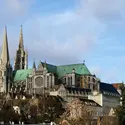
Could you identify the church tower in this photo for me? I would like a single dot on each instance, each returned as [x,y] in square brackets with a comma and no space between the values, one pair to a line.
[21,60]
[5,67]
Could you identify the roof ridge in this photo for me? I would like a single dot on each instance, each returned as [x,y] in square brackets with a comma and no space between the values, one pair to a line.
[106,83]
[71,64]
[49,64]
[23,69]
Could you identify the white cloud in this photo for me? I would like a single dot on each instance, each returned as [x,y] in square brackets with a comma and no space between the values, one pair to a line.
[105,9]
[14,10]
[64,37]
[67,36]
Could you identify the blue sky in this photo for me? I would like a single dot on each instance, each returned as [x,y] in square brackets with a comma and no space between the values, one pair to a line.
[69,31]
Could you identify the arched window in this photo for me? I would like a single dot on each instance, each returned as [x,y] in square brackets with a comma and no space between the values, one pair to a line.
[65,80]
[0,73]
[68,80]
[93,79]
[47,81]
[88,79]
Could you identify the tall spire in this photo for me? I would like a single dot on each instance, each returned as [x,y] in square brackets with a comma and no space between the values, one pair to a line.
[21,61]
[5,50]
[21,46]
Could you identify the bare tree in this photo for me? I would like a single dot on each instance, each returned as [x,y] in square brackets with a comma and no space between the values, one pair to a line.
[78,113]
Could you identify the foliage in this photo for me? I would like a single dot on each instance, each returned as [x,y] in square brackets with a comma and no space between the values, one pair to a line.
[109,120]
[7,114]
[32,111]
[50,108]
[120,112]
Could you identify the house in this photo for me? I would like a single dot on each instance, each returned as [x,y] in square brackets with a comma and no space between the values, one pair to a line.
[107,96]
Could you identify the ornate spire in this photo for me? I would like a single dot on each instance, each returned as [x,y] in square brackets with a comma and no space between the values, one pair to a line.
[5,50]
[21,46]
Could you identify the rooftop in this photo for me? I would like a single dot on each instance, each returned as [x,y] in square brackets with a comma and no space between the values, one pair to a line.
[60,71]
[106,87]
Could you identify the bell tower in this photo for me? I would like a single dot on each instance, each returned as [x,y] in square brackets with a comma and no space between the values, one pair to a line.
[21,60]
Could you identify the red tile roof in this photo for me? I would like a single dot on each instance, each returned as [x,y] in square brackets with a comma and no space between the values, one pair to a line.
[117,85]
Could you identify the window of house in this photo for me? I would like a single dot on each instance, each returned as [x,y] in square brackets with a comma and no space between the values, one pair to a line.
[89,79]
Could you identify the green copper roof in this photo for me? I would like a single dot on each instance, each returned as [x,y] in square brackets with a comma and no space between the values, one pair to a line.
[50,68]
[21,74]
[60,71]
[80,69]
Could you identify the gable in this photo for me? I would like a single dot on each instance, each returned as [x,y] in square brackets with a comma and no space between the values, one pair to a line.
[40,67]
[61,88]
[21,74]
[50,68]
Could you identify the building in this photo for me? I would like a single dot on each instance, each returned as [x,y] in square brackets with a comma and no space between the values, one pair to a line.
[118,86]
[107,96]
[68,81]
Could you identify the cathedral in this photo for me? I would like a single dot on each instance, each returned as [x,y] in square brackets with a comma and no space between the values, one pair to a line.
[67,81]
[42,78]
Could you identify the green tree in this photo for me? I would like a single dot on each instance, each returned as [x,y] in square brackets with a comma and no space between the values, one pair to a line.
[50,108]
[120,112]
[7,114]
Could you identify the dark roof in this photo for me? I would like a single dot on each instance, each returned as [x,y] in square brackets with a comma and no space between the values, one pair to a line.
[108,88]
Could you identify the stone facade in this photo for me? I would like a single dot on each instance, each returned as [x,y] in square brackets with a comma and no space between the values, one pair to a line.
[40,80]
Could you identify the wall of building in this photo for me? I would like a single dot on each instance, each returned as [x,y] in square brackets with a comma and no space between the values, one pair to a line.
[110,102]
[54,93]
[97,98]
[106,101]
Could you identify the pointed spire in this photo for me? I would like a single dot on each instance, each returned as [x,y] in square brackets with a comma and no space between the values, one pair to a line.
[45,64]
[5,50]
[21,46]
[34,65]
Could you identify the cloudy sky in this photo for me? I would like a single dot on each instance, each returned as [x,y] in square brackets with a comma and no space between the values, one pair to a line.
[69,31]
